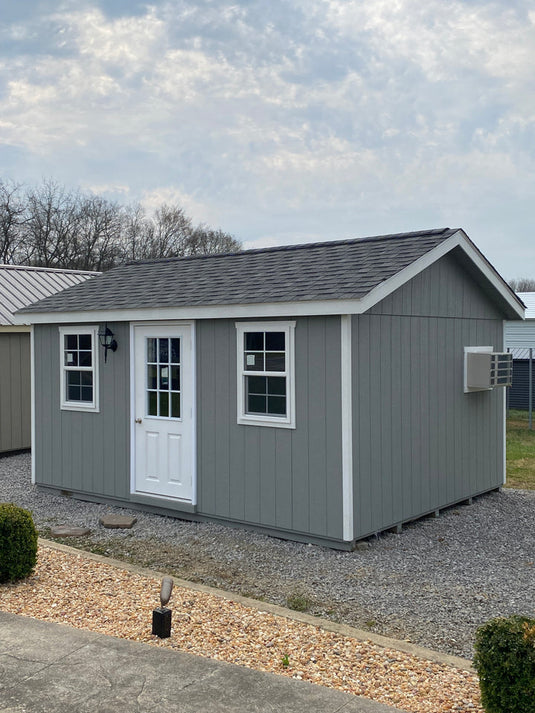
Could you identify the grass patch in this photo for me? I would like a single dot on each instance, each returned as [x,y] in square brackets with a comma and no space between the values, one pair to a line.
[298,601]
[520,451]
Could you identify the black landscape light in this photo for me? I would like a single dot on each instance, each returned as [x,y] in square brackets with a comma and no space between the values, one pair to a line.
[161,616]
[107,341]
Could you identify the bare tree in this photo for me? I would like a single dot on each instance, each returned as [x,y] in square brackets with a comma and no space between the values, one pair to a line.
[522,284]
[97,243]
[51,226]
[12,215]
[204,241]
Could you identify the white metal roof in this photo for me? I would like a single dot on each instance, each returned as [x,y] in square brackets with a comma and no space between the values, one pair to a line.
[21,285]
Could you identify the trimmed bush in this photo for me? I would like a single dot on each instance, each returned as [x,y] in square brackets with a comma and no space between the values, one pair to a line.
[505,663]
[18,543]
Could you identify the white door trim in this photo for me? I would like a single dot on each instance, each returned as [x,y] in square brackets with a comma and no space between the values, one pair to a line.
[163,323]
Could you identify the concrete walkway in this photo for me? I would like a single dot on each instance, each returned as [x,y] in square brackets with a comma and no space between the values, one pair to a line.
[51,668]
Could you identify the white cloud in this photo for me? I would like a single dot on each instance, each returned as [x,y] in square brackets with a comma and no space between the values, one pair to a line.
[255,116]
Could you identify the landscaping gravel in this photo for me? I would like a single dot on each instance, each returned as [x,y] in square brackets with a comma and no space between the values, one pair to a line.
[433,584]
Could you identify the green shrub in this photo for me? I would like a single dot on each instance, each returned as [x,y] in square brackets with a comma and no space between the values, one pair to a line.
[18,543]
[505,663]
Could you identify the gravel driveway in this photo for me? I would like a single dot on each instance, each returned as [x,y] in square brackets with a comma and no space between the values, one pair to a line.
[433,584]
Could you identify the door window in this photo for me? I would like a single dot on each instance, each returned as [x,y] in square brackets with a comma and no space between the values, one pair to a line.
[163,385]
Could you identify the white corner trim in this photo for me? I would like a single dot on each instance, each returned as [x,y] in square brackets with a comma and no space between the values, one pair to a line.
[504,478]
[32,398]
[347,429]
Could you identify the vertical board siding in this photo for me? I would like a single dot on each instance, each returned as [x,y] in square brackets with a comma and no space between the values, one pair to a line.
[15,391]
[421,443]
[285,479]
[86,452]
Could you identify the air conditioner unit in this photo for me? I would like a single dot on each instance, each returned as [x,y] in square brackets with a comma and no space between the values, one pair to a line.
[485,369]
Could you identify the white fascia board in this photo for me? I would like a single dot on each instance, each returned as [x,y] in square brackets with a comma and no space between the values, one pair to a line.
[458,239]
[490,273]
[256,310]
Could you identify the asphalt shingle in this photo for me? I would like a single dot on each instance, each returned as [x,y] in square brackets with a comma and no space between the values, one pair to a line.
[344,269]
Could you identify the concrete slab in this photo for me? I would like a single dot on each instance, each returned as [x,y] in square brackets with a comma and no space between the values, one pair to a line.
[69,531]
[52,668]
[118,522]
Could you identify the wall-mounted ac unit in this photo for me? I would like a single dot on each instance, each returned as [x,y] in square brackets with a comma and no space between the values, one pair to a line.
[485,369]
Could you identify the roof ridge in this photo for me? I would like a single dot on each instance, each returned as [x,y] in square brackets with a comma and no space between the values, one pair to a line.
[40,268]
[298,246]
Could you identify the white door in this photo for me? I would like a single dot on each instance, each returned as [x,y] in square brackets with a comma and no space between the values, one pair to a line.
[163,411]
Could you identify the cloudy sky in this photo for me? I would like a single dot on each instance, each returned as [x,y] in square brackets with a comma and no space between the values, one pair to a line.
[283,121]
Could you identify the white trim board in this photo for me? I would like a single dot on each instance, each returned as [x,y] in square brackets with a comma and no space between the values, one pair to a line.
[347,428]
[289,309]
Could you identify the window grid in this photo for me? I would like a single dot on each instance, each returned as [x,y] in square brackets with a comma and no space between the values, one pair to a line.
[163,385]
[78,368]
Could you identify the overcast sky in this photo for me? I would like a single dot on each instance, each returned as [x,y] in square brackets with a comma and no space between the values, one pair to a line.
[283,121]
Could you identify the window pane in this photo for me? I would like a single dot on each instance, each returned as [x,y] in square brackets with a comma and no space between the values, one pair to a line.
[277,405]
[256,384]
[86,378]
[84,341]
[84,358]
[71,358]
[254,362]
[164,403]
[151,350]
[275,341]
[152,407]
[276,385]
[71,341]
[175,378]
[164,377]
[87,393]
[74,378]
[256,404]
[274,361]
[175,351]
[254,341]
[175,405]
[73,393]
[164,350]
[151,376]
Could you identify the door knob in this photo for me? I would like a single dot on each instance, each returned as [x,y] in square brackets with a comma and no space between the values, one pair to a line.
[138,420]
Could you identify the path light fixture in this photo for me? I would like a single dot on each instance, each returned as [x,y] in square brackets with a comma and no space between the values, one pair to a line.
[161,616]
[107,341]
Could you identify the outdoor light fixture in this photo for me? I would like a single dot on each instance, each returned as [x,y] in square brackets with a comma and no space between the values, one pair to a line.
[161,616]
[105,336]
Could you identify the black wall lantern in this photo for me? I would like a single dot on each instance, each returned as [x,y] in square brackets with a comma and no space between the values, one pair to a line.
[105,336]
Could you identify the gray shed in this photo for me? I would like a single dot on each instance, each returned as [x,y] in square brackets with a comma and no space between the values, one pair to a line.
[20,286]
[319,392]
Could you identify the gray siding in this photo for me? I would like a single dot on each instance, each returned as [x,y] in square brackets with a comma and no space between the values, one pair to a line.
[15,391]
[86,452]
[420,442]
[287,479]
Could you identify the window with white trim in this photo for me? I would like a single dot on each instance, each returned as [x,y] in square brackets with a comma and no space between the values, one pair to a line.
[266,388]
[79,368]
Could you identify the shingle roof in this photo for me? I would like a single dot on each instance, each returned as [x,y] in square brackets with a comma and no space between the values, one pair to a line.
[344,269]
[22,285]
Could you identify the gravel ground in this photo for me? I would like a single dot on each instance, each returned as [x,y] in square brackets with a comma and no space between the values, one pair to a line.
[71,589]
[433,584]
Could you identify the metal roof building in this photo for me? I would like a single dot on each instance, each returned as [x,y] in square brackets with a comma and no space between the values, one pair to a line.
[19,287]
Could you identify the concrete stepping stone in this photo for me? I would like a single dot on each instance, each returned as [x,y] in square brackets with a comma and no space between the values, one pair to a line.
[69,531]
[118,522]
